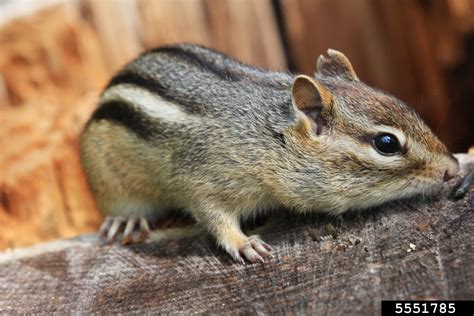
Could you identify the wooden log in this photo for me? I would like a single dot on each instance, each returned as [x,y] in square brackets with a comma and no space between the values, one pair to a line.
[325,266]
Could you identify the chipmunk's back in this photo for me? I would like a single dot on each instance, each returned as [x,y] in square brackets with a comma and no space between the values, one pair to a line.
[207,83]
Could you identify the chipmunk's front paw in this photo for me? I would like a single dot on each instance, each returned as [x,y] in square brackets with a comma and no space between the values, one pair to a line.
[131,229]
[254,249]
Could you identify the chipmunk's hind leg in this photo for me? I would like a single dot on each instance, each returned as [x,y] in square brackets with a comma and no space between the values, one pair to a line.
[131,229]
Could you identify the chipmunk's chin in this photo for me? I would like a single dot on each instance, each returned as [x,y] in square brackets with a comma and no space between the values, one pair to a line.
[415,190]
[342,204]
[427,188]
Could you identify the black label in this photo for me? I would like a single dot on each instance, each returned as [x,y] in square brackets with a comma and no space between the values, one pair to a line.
[428,308]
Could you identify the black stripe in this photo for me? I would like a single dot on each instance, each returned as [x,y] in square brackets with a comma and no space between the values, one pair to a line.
[229,73]
[199,61]
[126,115]
[231,69]
[152,85]
[155,87]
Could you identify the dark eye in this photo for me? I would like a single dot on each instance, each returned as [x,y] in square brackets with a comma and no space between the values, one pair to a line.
[387,144]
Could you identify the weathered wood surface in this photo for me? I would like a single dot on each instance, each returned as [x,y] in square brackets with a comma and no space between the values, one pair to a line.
[323,266]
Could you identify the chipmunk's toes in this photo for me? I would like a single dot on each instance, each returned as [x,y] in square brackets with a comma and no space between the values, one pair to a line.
[134,229]
[260,246]
[237,257]
[105,227]
[115,228]
[255,249]
[129,230]
[250,254]
[144,228]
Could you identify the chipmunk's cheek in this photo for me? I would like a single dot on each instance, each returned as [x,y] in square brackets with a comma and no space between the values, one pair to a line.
[430,173]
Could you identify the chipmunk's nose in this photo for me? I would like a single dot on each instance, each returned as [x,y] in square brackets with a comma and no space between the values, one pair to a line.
[452,170]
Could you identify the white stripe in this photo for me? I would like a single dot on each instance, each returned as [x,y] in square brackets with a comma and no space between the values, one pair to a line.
[151,103]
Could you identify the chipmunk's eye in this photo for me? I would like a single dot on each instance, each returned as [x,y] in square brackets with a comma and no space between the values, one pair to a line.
[387,144]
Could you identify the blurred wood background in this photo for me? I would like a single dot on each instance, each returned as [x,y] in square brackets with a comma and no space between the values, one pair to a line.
[55,60]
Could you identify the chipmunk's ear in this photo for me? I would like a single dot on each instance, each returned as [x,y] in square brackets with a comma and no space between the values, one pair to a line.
[335,65]
[307,93]
[312,98]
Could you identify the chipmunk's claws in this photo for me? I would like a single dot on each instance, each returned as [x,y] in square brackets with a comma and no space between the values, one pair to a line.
[105,227]
[144,228]
[237,257]
[128,232]
[117,225]
[113,227]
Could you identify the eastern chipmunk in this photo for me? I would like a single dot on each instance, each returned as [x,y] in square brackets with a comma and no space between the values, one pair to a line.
[185,127]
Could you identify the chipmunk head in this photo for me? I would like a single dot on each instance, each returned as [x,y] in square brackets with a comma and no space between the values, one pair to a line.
[369,146]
